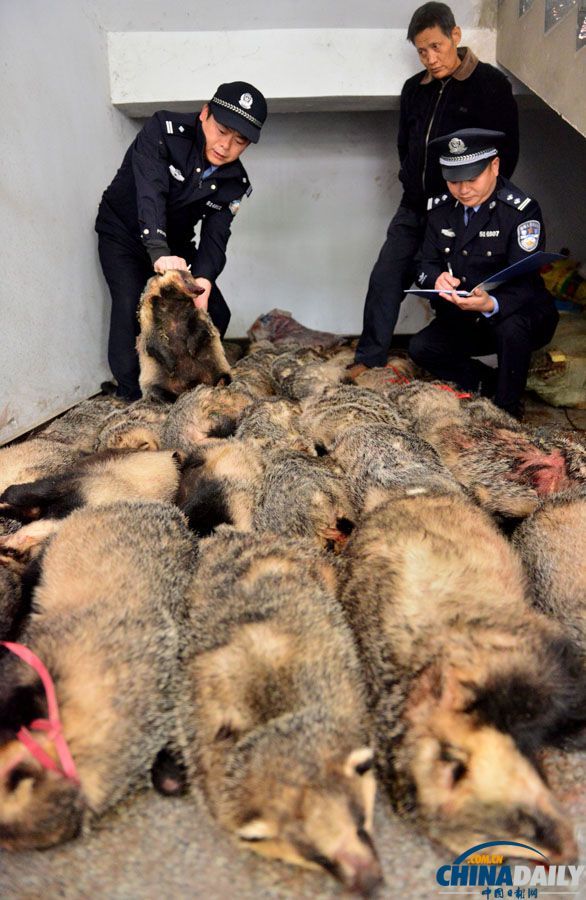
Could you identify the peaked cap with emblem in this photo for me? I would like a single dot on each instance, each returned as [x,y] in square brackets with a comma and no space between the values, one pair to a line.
[241,106]
[464,154]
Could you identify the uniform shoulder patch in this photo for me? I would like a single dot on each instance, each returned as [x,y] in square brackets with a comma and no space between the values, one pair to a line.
[512,196]
[528,235]
[435,202]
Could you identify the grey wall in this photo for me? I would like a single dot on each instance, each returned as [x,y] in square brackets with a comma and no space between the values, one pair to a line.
[550,63]
[60,142]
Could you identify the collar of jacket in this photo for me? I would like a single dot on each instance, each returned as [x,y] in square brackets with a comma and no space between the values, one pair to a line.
[468,62]
[500,182]
[231,170]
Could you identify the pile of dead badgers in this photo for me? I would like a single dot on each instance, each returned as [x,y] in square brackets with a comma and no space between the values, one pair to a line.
[348,581]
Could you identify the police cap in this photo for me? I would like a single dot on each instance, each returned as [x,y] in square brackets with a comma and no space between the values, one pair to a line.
[464,154]
[241,106]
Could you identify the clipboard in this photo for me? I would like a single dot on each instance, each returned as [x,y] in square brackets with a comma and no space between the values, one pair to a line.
[521,267]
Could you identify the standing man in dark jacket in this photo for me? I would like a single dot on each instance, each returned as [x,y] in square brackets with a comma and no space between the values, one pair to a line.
[484,225]
[182,169]
[456,91]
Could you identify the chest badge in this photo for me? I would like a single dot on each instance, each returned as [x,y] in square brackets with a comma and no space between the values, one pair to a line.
[448,232]
[528,235]
[176,173]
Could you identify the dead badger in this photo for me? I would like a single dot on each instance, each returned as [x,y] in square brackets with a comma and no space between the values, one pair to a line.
[281,747]
[220,483]
[304,496]
[105,627]
[551,544]
[137,426]
[466,682]
[502,465]
[205,412]
[33,459]
[178,346]
[327,415]
[91,481]
[377,458]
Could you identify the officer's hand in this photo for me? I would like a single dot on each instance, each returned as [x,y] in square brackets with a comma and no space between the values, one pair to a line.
[478,301]
[164,263]
[446,282]
[201,301]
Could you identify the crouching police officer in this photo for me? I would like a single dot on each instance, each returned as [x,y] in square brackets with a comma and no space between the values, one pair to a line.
[181,169]
[491,225]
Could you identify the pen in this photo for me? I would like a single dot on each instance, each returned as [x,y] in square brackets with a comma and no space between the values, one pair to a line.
[450,270]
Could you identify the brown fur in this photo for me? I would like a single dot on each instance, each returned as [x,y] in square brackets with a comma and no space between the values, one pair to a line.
[274,423]
[304,496]
[466,682]
[108,610]
[205,412]
[32,459]
[92,481]
[329,414]
[278,708]
[79,426]
[551,544]
[178,346]
[220,483]
[136,427]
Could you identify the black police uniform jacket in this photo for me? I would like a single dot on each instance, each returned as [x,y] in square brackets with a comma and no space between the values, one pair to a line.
[158,195]
[476,96]
[508,227]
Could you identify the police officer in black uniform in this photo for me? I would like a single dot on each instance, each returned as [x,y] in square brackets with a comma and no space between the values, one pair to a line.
[480,225]
[181,169]
[455,91]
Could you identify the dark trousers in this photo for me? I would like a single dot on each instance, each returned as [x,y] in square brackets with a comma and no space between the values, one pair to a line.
[393,273]
[445,348]
[127,268]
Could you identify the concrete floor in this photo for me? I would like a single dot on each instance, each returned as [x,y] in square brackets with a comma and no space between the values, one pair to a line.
[158,848]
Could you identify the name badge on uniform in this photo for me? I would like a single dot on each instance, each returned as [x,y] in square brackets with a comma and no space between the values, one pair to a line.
[213,205]
[528,235]
[448,232]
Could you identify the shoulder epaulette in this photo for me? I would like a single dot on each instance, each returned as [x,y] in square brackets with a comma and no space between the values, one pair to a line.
[512,196]
[434,202]
[177,127]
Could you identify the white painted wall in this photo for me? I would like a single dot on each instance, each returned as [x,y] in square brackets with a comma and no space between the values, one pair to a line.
[60,142]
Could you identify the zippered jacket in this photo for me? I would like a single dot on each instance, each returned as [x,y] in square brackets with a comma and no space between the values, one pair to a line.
[158,195]
[476,96]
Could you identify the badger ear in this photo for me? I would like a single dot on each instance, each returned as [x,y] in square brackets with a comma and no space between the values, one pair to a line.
[257,830]
[358,762]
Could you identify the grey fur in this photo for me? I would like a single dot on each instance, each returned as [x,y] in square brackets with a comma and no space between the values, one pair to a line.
[79,426]
[277,700]
[304,496]
[464,678]
[109,613]
[274,423]
[138,426]
[199,412]
[551,544]
[329,414]
[381,461]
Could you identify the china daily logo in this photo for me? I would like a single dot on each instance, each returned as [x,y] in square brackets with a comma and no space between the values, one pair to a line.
[485,872]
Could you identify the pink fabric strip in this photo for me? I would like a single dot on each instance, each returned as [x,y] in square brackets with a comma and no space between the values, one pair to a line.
[52,725]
